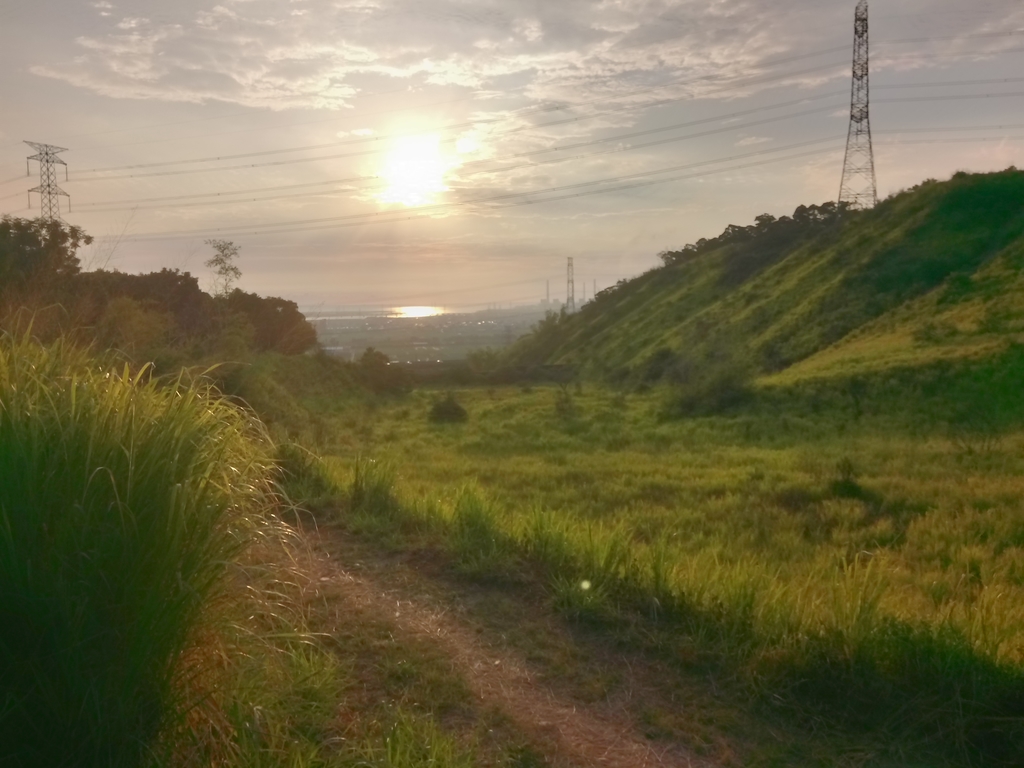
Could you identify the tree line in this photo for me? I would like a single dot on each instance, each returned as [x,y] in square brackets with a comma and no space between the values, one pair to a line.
[162,317]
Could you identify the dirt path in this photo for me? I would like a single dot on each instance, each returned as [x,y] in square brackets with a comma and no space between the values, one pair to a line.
[570,734]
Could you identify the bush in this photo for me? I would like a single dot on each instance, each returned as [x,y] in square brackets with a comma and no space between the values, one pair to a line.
[712,389]
[381,376]
[121,504]
[448,411]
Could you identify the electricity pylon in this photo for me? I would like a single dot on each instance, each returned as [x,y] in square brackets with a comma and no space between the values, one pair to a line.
[858,187]
[49,192]
[570,289]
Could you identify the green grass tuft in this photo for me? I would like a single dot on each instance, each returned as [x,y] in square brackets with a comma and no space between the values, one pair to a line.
[122,502]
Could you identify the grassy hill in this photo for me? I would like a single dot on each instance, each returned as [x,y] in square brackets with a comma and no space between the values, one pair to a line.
[931,273]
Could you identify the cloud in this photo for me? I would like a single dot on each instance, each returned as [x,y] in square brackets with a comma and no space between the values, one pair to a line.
[319,53]
[309,57]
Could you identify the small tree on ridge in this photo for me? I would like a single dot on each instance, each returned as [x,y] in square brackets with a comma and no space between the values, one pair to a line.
[223,265]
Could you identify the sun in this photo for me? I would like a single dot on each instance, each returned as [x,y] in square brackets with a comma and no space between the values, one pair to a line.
[414,171]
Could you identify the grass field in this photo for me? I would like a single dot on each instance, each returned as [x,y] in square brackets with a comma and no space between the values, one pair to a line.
[826,573]
[856,568]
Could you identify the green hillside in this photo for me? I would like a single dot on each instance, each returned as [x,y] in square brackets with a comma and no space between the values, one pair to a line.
[931,273]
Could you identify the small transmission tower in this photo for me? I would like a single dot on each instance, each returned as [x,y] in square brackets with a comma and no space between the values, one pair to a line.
[858,187]
[570,289]
[49,192]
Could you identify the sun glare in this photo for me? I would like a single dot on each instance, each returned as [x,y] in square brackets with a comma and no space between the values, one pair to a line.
[419,311]
[414,171]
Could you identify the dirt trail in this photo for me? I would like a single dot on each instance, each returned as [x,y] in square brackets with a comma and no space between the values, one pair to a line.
[569,733]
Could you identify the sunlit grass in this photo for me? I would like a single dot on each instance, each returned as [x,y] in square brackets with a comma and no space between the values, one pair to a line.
[122,503]
[815,553]
[155,612]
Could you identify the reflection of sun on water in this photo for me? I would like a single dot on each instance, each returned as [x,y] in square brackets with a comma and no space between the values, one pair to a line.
[419,311]
[414,171]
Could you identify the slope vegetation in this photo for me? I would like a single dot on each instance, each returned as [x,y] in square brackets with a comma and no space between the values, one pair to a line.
[931,273]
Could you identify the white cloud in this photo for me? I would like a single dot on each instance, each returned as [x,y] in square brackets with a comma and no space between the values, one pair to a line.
[265,54]
[132,23]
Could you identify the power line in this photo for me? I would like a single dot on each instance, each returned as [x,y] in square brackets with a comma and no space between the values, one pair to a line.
[439,207]
[395,217]
[293,161]
[1008,127]
[380,138]
[949,83]
[197,195]
[972,36]
[603,140]
[306,148]
[386,214]
[952,97]
[953,140]
[98,206]
[375,94]
[528,110]
[565,121]
[506,168]
[607,139]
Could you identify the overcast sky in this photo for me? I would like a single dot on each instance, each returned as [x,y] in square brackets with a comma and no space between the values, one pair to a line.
[455,152]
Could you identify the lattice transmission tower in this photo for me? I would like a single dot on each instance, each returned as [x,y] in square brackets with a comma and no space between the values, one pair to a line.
[570,288]
[858,187]
[49,192]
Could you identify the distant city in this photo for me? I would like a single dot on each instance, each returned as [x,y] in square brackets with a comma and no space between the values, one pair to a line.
[423,334]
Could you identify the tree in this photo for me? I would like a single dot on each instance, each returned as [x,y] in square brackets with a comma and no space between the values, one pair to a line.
[277,323]
[223,265]
[34,250]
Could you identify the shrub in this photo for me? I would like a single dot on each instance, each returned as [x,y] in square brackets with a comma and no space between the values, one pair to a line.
[121,504]
[448,410]
[711,388]
[381,376]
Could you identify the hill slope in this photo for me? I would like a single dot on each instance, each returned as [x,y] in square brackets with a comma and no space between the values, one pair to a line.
[929,273]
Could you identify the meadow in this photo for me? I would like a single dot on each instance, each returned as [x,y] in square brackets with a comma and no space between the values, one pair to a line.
[861,566]
[844,564]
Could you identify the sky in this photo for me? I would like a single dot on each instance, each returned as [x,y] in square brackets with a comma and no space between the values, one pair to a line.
[455,153]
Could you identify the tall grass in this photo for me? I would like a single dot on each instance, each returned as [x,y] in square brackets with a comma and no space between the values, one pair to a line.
[821,647]
[122,503]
